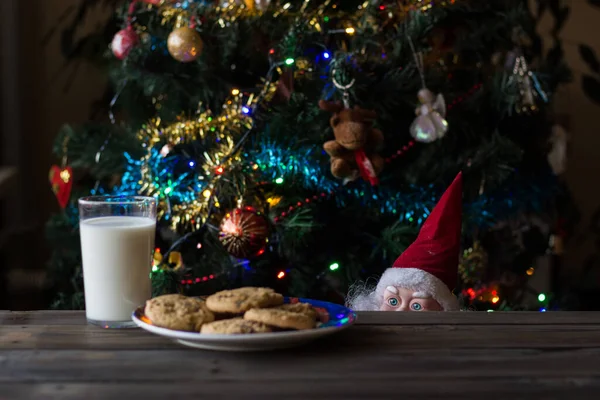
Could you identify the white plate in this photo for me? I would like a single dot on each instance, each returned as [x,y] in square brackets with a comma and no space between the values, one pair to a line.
[333,318]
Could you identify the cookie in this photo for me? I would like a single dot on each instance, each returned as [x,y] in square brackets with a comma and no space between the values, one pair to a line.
[243,299]
[235,326]
[300,308]
[280,318]
[174,311]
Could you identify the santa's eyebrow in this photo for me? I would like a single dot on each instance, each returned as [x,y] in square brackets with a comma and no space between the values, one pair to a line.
[421,295]
[392,289]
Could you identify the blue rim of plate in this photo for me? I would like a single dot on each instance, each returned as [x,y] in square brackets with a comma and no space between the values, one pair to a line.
[331,317]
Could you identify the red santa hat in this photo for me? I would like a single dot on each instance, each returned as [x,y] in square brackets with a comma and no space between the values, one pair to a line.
[430,264]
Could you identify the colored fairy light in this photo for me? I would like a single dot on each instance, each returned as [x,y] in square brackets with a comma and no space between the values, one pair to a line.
[334,266]
[495,299]
[206,193]
[350,31]
[542,310]
[245,110]
[219,170]
[281,275]
[199,246]
[154,268]
[235,92]
[530,271]
[274,200]
[168,190]
[279,180]
[289,61]
[191,163]
[541,297]
[326,55]
[272,51]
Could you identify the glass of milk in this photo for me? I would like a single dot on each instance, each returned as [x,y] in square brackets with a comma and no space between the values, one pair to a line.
[117,241]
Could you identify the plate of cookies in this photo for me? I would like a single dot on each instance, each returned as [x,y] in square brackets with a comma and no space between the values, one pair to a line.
[244,319]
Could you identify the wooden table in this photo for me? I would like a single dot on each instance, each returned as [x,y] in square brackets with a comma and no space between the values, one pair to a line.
[45,355]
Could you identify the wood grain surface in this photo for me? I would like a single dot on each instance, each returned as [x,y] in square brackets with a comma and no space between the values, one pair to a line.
[56,355]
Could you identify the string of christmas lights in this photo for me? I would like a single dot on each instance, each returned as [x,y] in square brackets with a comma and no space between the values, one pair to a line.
[184,198]
[190,209]
[323,195]
[268,162]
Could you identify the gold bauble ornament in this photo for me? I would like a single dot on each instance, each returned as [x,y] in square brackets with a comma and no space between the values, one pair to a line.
[473,264]
[185,44]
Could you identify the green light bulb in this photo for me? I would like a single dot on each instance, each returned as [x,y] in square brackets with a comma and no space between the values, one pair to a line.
[541,297]
[289,61]
[279,181]
[334,266]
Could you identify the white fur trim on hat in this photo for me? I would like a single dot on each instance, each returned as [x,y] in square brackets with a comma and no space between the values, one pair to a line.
[418,280]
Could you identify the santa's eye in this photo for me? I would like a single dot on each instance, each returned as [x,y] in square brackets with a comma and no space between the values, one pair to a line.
[392,301]
[416,307]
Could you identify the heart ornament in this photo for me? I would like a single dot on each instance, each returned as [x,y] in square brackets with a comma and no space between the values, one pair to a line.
[61,180]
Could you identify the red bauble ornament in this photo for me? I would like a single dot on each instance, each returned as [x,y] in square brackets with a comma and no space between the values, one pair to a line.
[61,180]
[123,42]
[244,232]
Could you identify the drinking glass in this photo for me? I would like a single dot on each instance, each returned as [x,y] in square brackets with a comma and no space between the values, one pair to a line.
[117,241]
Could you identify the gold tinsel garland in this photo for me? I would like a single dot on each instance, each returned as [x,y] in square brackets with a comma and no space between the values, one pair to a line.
[227,127]
[224,129]
[231,11]
[311,11]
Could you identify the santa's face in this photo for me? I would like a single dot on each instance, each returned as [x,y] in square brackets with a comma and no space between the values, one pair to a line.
[400,299]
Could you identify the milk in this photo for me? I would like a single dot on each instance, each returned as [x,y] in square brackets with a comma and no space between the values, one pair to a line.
[117,260]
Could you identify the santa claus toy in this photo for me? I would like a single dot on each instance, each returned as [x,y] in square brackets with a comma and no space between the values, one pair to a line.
[423,277]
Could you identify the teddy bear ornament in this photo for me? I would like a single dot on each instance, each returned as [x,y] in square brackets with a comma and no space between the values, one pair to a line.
[354,152]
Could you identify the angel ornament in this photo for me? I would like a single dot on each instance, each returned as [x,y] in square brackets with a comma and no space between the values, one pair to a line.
[430,124]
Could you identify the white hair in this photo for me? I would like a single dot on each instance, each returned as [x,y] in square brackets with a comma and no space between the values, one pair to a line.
[363,297]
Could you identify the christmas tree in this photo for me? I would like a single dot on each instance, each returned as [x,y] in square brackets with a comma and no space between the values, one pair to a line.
[300,144]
